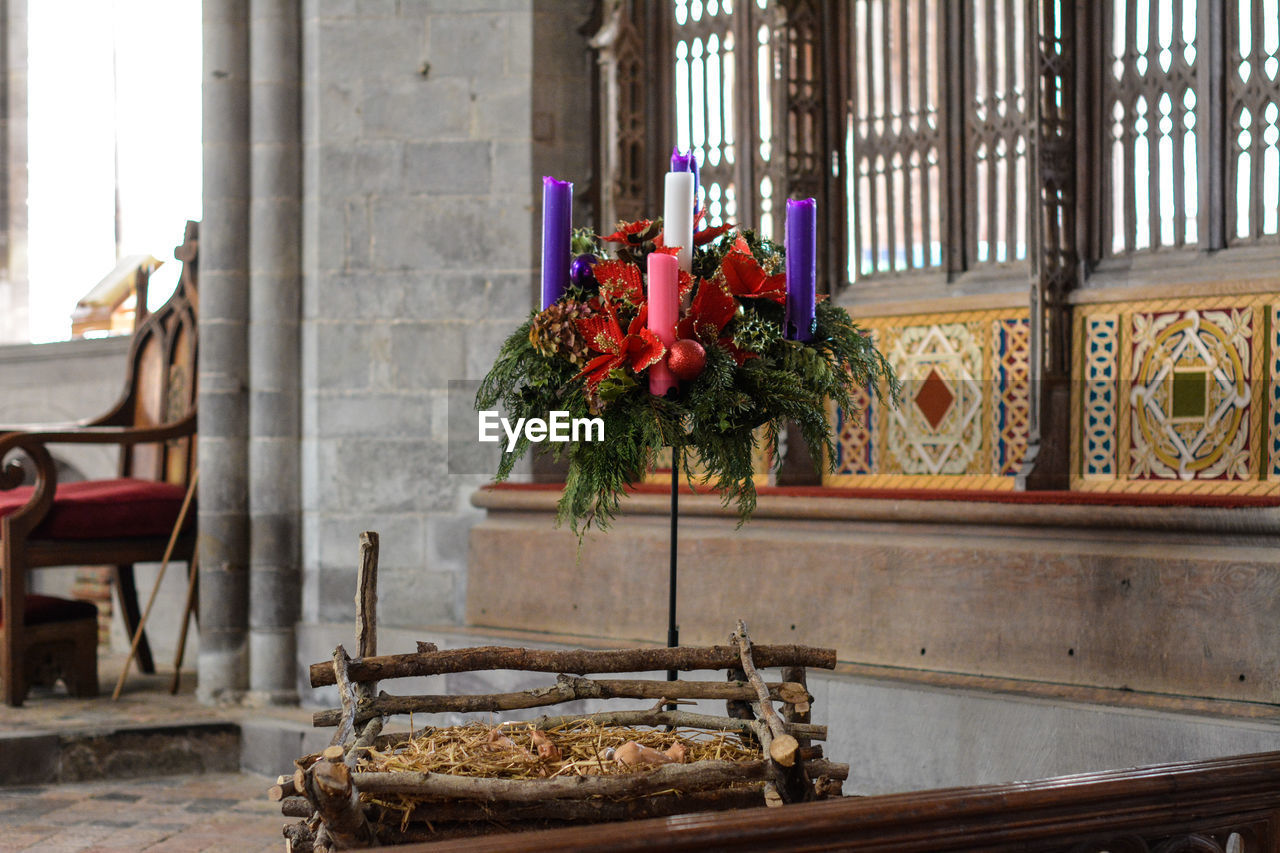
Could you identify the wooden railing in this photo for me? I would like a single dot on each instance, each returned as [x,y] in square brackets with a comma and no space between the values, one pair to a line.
[1229,805]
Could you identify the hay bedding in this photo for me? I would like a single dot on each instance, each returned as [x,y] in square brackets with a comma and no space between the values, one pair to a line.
[511,751]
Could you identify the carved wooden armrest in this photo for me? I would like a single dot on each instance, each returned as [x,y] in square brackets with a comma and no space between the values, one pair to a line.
[100,435]
[35,445]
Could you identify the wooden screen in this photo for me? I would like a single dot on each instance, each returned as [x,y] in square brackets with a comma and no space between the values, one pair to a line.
[1152,126]
[707,100]
[752,82]
[897,137]
[997,132]
[1253,121]
[939,135]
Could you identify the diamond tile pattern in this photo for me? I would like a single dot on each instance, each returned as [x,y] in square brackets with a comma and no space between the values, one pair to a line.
[934,399]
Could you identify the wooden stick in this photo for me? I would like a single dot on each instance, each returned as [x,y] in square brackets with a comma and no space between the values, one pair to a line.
[798,708]
[361,692]
[338,803]
[679,719]
[296,807]
[368,736]
[282,789]
[367,599]
[164,564]
[575,661]
[193,571]
[346,717]
[682,777]
[567,688]
[586,810]
[783,746]
[299,838]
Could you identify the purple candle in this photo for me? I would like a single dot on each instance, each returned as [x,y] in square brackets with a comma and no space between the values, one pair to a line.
[693,167]
[802,267]
[557,222]
[680,160]
[687,163]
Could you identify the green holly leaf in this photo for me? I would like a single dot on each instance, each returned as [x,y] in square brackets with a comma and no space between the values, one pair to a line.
[617,384]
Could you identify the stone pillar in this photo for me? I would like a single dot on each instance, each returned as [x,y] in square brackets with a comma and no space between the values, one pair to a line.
[224,361]
[274,354]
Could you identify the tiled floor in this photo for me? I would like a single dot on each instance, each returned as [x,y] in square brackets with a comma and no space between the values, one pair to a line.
[176,814]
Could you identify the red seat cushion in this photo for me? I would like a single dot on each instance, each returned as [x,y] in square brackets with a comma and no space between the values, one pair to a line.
[44,609]
[123,508]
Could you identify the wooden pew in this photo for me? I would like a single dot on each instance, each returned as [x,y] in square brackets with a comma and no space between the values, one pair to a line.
[1228,805]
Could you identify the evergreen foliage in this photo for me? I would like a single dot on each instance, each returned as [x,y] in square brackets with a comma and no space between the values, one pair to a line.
[713,418]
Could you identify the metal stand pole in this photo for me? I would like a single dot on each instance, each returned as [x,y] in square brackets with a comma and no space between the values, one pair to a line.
[673,630]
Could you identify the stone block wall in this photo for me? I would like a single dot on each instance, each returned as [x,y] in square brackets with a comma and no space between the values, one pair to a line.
[427,126]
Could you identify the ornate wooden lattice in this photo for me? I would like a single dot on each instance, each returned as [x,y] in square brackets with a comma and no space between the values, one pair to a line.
[754,83]
[706,46]
[1152,127]
[813,123]
[1253,121]
[623,159]
[939,135]
[997,133]
[897,137]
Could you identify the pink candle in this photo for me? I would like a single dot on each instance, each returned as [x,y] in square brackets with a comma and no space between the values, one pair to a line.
[664,311]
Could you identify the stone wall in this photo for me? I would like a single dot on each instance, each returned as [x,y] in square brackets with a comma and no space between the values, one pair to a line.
[1095,597]
[427,126]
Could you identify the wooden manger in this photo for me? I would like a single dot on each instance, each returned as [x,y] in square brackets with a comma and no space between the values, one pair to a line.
[373,789]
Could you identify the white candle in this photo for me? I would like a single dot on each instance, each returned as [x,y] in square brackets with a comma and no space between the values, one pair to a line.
[677,216]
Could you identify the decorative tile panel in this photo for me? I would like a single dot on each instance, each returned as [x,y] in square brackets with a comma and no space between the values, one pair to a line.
[964,415]
[853,430]
[1012,410]
[938,427]
[1100,357]
[1273,394]
[1178,395]
[1189,395]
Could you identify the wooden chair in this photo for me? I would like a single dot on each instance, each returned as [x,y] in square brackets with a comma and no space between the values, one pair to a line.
[116,522]
[62,643]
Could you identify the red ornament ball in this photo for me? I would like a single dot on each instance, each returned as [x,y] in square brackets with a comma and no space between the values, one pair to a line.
[687,359]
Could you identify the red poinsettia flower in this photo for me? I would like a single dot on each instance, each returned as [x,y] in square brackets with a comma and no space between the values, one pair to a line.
[620,281]
[747,279]
[638,349]
[706,235]
[700,238]
[712,309]
[629,232]
[684,285]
